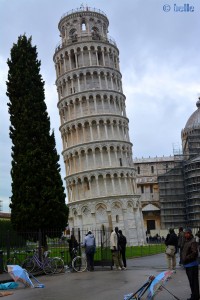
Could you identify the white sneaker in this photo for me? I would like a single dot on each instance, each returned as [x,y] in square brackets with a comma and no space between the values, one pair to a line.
[123,268]
[119,268]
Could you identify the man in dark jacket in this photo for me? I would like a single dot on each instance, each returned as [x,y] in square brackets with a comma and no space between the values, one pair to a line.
[181,240]
[172,243]
[190,262]
[122,247]
[73,246]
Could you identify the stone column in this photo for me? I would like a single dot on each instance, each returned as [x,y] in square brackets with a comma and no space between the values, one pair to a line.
[109,158]
[103,58]
[101,157]
[76,60]
[94,159]
[81,107]
[100,85]
[106,131]
[98,131]
[96,57]
[79,88]
[91,133]
[87,164]
[90,58]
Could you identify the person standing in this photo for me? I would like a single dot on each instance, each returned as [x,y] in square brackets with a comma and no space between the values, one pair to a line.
[122,247]
[73,245]
[181,239]
[172,243]
[90,248]
[114,246]
[190,263]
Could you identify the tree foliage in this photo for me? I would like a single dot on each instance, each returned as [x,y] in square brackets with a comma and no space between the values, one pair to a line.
[38,198]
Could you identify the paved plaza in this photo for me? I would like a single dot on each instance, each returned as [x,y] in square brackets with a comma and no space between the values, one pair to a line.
[104,284]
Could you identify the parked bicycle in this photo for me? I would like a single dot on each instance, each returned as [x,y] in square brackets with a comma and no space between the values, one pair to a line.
[33,264]
[79,263]
[59,263]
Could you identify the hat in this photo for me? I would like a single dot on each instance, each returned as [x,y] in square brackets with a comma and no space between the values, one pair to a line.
[188,230]
[89,232]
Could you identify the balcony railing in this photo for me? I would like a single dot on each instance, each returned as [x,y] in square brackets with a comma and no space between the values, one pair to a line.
[82,9]
[62,44]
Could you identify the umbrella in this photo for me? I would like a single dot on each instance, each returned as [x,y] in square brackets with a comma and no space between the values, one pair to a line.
[158,284]
[20,275]
[141,291]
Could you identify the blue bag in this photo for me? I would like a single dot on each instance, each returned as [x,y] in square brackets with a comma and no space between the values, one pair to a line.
[8,285]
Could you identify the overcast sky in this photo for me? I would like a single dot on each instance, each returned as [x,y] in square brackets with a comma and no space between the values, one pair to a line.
[159,61]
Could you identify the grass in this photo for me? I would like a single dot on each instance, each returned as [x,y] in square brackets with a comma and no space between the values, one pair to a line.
[150,249]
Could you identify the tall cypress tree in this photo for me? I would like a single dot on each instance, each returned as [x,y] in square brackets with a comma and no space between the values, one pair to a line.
[38,198]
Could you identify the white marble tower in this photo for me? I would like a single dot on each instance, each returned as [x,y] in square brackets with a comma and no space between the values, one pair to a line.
[97,151]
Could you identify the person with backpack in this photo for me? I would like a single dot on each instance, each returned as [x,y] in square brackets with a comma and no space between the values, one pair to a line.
[172,246]
[122,247]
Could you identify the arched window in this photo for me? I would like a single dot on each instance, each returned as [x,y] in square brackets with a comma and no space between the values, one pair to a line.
[83,26]
[117,218]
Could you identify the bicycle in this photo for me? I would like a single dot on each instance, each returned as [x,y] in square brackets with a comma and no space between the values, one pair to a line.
[79,263]
[59,263]
[47,264]
[13,260]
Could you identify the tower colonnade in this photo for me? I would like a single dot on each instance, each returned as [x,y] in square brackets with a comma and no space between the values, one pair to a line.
[97,155]
[94,127]
[88,54]
[90,184]
[78,106]
[88,80]
[100,129]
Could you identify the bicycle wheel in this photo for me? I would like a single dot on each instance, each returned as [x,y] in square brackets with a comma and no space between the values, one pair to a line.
[59,264]
[49,266]
[79,264]
[11,261]
[28,264]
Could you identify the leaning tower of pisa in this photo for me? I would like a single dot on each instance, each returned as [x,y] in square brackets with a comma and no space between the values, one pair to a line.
[97,152]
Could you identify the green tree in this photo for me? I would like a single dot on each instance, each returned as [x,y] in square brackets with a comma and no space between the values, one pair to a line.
[38,198]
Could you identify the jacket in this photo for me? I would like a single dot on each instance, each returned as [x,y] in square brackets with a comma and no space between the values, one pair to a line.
[171,240]
[190,251]
[122,241]
[89,240]
[114,241]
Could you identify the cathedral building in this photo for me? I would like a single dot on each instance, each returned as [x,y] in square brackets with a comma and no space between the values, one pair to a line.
[170,186]
[97,151]
[180,187]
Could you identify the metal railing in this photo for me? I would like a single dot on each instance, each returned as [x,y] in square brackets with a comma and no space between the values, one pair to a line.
[82,9]
[23,243]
